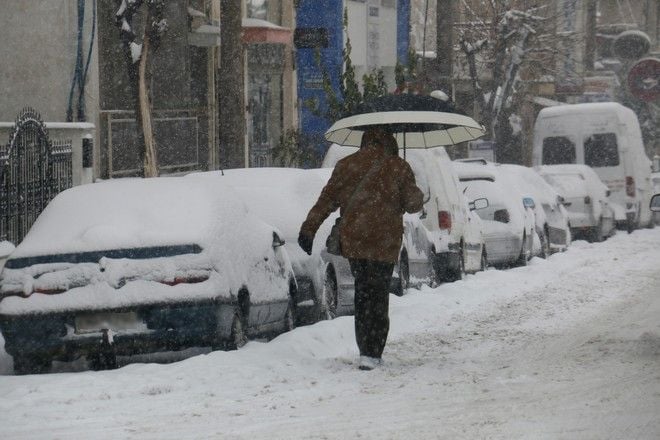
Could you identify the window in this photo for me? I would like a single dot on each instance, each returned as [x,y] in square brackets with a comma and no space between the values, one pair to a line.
[558,150]
[600,150]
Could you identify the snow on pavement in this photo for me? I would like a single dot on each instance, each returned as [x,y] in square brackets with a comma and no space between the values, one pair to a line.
[567,347]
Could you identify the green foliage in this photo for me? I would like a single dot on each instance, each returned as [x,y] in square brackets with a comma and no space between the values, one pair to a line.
[349,96]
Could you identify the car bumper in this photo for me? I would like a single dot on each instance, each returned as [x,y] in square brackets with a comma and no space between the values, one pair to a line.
[169,327]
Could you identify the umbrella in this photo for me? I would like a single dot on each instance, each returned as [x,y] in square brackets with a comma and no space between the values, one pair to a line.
[416,121]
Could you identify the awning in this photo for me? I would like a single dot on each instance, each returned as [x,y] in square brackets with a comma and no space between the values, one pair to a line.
[262,31]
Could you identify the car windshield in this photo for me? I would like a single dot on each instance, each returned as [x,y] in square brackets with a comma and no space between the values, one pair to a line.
[558,150]
[601,150]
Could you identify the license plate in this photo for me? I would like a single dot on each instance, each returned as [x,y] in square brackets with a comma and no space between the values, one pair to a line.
[96,322]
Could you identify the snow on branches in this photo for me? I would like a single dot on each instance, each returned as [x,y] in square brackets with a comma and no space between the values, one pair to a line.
[124,19]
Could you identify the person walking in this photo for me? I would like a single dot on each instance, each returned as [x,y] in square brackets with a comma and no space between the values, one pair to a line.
[373,188]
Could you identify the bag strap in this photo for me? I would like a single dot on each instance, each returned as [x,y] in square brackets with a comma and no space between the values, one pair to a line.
[357,189]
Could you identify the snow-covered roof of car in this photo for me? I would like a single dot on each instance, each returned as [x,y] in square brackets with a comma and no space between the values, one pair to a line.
[132,213]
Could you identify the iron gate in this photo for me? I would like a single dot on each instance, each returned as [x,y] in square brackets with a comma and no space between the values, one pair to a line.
[32,172]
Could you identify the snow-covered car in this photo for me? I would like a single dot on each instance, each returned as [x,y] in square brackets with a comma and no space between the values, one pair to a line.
[552,220]
[282,197]
[508,220]
[132,266]
[585,197]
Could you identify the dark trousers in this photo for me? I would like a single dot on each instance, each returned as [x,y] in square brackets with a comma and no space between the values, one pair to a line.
[372,322]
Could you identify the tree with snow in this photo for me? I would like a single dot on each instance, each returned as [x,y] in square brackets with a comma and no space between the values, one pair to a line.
[497,41]
[137,62]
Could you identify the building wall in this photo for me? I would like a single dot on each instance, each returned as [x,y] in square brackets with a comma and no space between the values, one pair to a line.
[38,53]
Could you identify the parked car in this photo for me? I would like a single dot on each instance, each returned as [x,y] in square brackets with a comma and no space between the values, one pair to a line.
[508,220]
[441,244]
[552,219]
[585,197]
[655,180]
[655,203]
[607,137]
[282,197]
[132,266]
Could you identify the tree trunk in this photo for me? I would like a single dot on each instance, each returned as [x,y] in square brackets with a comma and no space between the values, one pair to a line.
[144,111]
[444,61]
[231,88]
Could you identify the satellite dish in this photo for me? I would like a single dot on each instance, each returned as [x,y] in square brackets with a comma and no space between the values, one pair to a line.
[631,45]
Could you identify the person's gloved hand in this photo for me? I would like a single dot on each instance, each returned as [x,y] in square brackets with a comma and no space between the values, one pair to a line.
[305,242]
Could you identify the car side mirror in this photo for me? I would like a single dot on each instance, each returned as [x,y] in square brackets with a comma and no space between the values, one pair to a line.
[427,196]
[655,203]
[277,241]
[422,214]
[480,203]
[528,202]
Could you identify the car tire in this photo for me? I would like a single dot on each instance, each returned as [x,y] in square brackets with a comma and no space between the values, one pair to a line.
[545,243]
[290,315]
[459,272]
[522,258]
[404,276]
[484,259]
[30,363]
[329,299]
[596,233]
[238,336]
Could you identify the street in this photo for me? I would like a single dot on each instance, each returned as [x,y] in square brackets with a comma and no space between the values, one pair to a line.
[565,348]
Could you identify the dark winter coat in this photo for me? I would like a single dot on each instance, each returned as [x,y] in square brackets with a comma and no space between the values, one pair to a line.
[373,228]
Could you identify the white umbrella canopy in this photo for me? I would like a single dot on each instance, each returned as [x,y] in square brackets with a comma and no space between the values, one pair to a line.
[416,121]
[412,129]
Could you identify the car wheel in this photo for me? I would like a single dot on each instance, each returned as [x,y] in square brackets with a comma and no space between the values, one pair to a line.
[596,233]
[328,306]
[459,272]
[238,336]
[404,276]
[484,259]
[522,258]
[290,316]
[31,363]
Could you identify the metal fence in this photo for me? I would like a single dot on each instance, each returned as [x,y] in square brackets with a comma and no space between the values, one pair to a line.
[32,171]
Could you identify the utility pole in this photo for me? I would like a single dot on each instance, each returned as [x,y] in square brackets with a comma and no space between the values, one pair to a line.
[231,86]
[590,42]
[444,61]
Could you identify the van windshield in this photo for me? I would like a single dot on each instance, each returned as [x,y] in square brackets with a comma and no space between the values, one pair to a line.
[600,150]
[558,150]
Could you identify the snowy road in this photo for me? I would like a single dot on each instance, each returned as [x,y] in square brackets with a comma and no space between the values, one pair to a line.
[567,348]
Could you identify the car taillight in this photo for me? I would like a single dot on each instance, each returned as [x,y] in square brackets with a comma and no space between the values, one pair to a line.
[185,280]
[587,200]
[630,186]
[444,220]
[48,291]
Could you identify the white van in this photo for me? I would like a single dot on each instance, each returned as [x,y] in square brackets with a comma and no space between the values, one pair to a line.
[605,136]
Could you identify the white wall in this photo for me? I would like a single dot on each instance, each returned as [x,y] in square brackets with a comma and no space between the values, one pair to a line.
[383,39]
